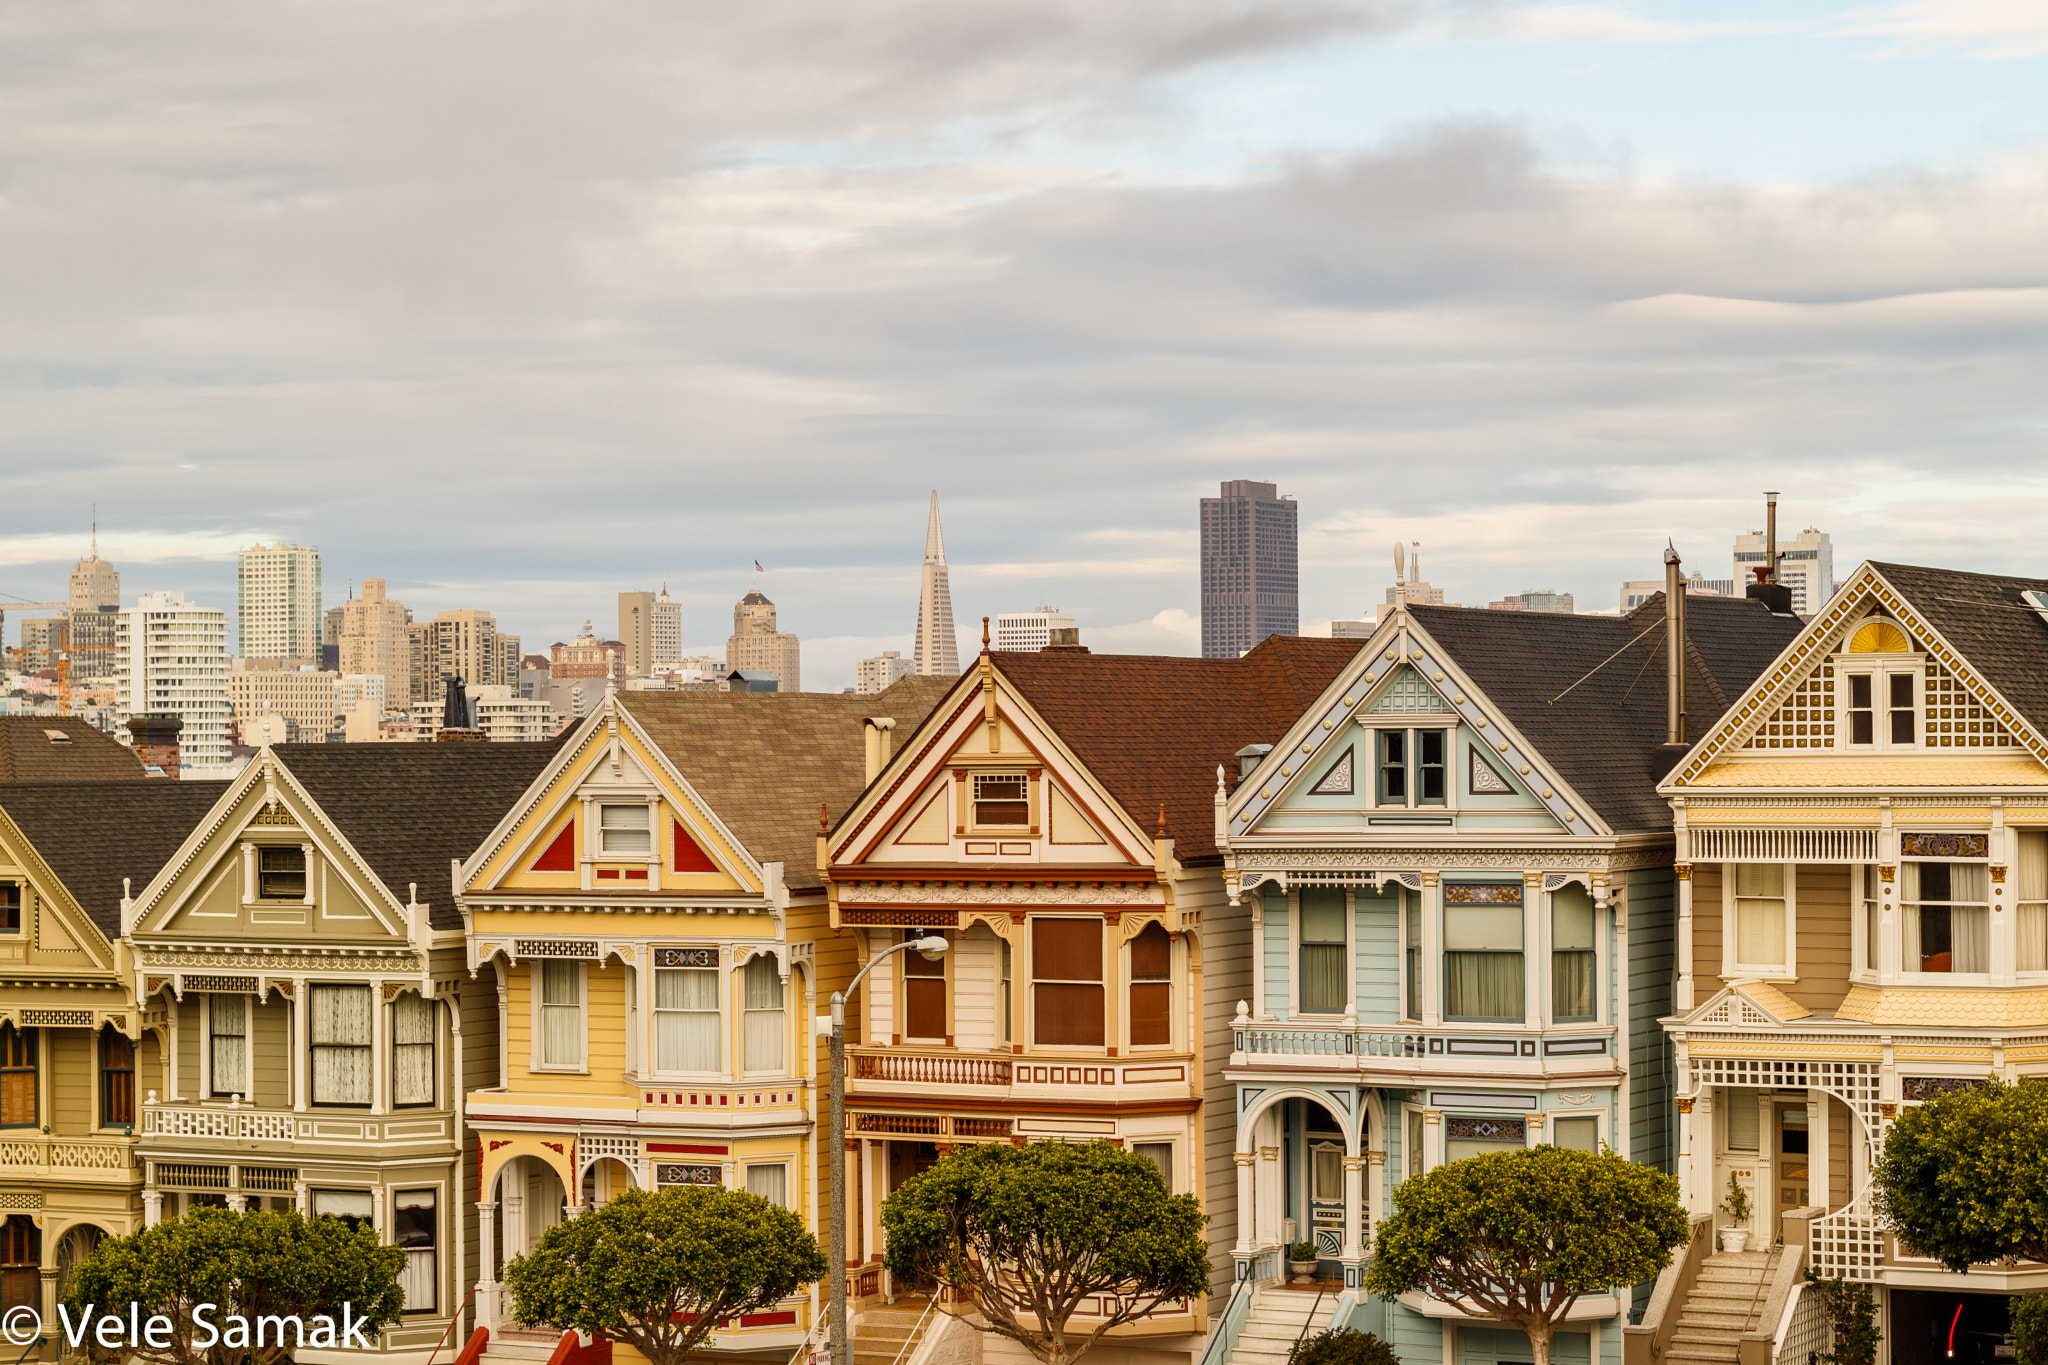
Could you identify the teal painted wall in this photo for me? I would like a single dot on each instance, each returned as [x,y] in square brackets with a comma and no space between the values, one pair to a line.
[1379,956]
[1276,975]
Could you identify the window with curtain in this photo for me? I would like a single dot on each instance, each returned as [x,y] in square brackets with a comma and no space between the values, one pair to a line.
[1066,982]
[1160,1154]
[1760,915]
[771,1182]
[1412,930]
[765,1026]
[1579,1135]
[1867,884]
[412,1050]
[117,1079]
[17,1077]
[1947,909]
[1412,1159]
[2030,938]
[1326,1177]
[1322,950]
[352,1207]
[686,1019]
[1742,1118]
[624,829]
[1572,953]
[924,992]
[1483,950]
[561,1013]
[413,1229]
[1151,987]
[338,1025]
[227,1031]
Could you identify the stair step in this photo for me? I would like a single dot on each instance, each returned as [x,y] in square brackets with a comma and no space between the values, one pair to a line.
[1688,1350]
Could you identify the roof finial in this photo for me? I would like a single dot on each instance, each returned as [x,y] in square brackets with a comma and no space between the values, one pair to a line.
[824,825]
[1162,819]
[984,635]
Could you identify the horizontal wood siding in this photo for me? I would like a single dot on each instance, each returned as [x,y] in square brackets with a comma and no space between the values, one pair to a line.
[1379,956]
[1706,931]
[72,1068]
[973,971]
[270,1050]
[1822,900]
[1652,928]
[1227,966]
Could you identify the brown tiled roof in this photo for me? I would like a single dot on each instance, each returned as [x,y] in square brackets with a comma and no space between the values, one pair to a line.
[1152,730]
[92,834]
[765,760]
[411,808]
[1986,619]
[28,754]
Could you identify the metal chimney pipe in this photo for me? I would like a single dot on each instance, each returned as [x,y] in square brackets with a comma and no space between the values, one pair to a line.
[1674,648]
[1771,536]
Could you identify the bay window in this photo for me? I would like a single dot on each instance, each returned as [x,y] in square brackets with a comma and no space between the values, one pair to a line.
[1323,951]
[1412,931]
[770,1180]
[227,1032]
[1066,982]
[561,1015]
[1572,954]
[117,1078]
[1483,950]
[1576,1134]
[924,992]
[1947,908]
[1152,988]
[339,1022]
[686,1018]
[1868,887]
[413,1229]
[412,1051]
[765,1028]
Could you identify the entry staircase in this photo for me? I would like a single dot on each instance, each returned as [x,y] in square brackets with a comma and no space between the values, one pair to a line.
[1726,1301]
[886,1333]
[1278,1319]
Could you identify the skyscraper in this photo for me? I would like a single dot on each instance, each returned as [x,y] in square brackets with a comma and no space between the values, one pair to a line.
[467,644]
[373,640]
[1251,578]
[651,629]
[172,660]
[757,646]
[936,651]
[95,609]
[279,603]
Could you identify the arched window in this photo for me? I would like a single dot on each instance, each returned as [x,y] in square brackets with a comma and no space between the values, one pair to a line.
[1152,987]
[766,1026]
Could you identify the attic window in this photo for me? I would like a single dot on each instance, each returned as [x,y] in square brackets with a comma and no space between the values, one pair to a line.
[281,873]
[10,908]
[57,736]
[1002,799]
[625,829]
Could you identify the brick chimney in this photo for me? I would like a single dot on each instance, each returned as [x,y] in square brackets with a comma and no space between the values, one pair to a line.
[155,741]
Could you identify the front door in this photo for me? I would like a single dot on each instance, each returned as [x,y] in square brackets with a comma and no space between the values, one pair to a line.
[1791,1167]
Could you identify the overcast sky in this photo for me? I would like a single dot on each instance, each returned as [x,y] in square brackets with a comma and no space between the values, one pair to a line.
[520,305]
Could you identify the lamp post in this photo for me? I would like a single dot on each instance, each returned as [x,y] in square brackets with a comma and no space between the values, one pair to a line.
[931,947]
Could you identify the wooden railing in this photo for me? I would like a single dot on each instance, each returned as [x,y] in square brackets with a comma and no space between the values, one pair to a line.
[936,1068]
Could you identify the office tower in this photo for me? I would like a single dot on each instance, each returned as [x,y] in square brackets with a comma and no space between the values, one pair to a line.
[95,606]
[374,640]
[465,644]
[651,629]
[1351,630]
[1546,600]
[936,651]
[1806,565]
[94,583]
[1250,568]
[1027,631]
[278,612]
[871,676]
[307,697]
[756,646]
[172,660]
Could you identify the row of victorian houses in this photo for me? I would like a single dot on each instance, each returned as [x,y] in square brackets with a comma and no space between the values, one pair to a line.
[1296,926]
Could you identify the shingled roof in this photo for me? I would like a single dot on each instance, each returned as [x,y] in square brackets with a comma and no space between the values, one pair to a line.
[1603,734]
[411,808]
[764,760]
[30,752]
[1983,616]
[93,834]
[1153,730]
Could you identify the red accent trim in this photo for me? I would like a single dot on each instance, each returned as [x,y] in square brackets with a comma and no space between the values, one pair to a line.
[473,1349]
[610,874]
[1050,876]
[561,854]
[636,874]
[688,856]
[786,1318]
[693,1148]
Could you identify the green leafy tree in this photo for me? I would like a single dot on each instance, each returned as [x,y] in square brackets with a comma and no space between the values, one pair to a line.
[661,1272]
[1028,1234]
[2030,1328]
[1852,1317]
[1964,1178]
[253,1267]
[1345,1346]
[1521,1236]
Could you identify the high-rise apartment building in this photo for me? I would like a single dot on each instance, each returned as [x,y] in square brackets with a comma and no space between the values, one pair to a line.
[467,645]
[1027,631]
[1806,565]
[307,697]
[651,629]
[1637,591]
[1251,576]
[278,611]
[172,660]
[757,646]
[935,652]
[374,640]
[872,676]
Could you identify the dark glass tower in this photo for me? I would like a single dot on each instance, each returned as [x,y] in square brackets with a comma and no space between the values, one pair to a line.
[1250,568]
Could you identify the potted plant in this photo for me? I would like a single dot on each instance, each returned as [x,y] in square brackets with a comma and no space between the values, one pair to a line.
[1737,1207]
[1301,1259]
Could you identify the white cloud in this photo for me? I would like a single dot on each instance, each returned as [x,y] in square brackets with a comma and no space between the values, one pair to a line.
[1989,30]
[1596,24]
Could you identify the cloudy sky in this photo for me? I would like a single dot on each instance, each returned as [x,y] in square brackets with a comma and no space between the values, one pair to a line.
[518,305]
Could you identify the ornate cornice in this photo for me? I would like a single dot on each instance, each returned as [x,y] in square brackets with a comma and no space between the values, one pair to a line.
[1391,859]
[1002,893]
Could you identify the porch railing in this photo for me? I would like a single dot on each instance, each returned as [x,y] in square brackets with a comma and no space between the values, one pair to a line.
[937,1068]
[211,1121]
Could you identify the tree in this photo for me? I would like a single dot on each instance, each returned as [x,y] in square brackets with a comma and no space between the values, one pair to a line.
[661,1272]
[227,1286]
[1028,1234]
[1851,1310]
[1345,1346]
[1520,1236]
[2030,1328]
[1964,1178]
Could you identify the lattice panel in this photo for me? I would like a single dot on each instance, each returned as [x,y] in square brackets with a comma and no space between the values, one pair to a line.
[1957,720]
[1853,1083]
[1408,692]
[1848,1242]
[1806,720]
[591,1148]
[1738,1012]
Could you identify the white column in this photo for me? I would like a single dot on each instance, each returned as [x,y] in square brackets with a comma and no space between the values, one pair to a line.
[152,1208]
[301,1064]
[1433,1138]
[1375,1194]
[1684,1002]
[380,1051]
[1246,1208]
[312,856]
[1705,1195]
[1817,1148]
[1432,894]
[1766,1154]
[171,1049]
[1354,1195]
[487,1265]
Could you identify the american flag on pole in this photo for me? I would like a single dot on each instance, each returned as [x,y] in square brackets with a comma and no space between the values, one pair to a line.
[758,568]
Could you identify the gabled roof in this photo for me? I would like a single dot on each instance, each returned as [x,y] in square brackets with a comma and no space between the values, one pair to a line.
[93,834]
[1603,734]
[411,808]
[1152,730]
[29,754]
[765,760]
[1984,619]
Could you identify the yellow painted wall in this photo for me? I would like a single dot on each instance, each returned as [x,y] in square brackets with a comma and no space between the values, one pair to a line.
[604,994]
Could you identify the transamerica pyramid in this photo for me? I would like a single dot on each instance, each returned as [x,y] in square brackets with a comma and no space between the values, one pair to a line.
[937,653]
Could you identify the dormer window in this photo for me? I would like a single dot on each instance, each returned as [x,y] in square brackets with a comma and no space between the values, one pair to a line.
[1002,799]
[625,829]
[10,907]
[281,873]
[1880,688]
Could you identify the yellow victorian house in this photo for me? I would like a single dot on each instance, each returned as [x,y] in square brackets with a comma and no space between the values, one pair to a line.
[653,919]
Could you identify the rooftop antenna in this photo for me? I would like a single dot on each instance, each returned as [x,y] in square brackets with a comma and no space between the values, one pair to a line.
[95,530]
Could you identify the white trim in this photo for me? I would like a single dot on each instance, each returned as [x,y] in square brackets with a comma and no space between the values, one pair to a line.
[537,1036]
[1732,970]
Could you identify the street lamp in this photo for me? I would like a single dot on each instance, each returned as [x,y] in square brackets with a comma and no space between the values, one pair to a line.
[931,948]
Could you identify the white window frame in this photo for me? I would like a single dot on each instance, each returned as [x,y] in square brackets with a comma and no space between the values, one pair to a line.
[1175,1177]
[1176,965]
[788,1178]
[1861,946]
[537,1040]
[605,851]
[248,1047]
[1294,925]
[1547,934]
[1415,1156]
[440,1196]
[1733,970]
[1416,989]
[1991,930]
[1552,1117]
[739,992]
[433,1044]
[2012,880]
[1880,668]
[727,994]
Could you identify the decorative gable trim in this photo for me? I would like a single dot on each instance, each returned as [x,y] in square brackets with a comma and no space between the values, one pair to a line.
[1748,1004]
[1812,652]
[1339,780]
